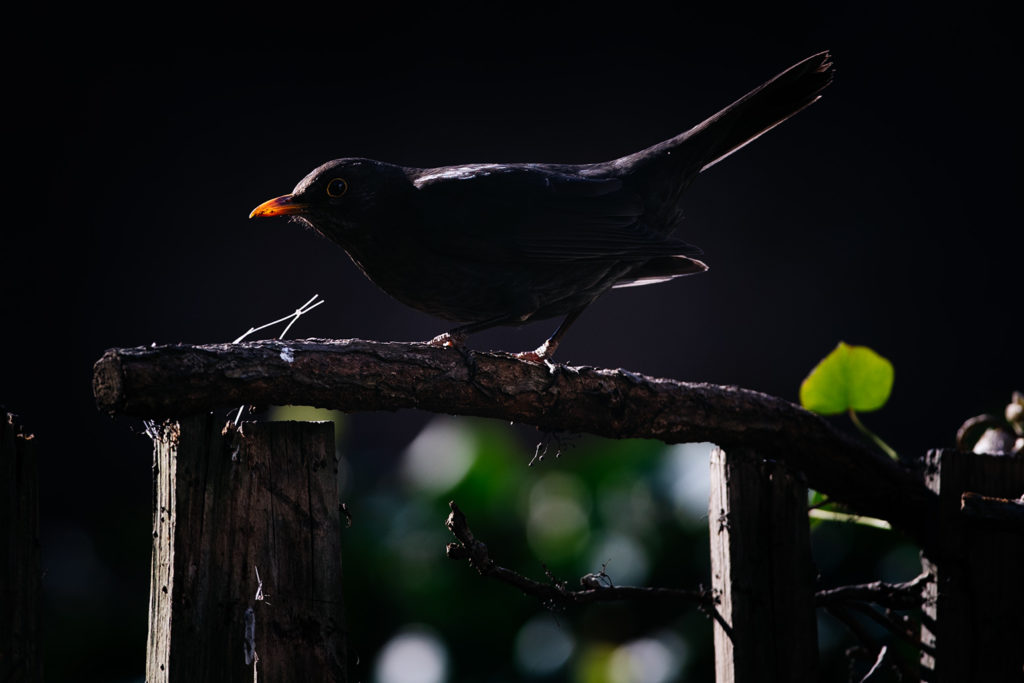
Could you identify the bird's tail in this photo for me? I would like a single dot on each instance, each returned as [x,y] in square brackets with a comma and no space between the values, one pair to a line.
[742,122]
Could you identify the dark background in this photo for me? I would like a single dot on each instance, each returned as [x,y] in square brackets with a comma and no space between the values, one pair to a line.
[885,215]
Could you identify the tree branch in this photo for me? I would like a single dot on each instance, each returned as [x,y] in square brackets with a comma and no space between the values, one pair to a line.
[905,595]
[597,588]
[356,375]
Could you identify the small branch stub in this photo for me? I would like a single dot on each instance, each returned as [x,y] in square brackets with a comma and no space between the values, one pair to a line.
[996,513]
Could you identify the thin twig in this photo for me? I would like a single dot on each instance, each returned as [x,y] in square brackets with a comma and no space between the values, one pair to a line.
[292,318]
[890,625]
[840,612]
[876,669]
[905,595]
[475,552]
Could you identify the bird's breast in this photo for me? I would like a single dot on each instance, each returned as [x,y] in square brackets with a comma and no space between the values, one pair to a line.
[457,286]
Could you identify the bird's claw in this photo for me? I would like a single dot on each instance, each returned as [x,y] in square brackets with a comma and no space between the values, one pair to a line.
[538,356]
[541,354]
[447,340]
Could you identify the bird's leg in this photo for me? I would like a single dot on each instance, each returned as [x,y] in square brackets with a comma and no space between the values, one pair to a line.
[545,351]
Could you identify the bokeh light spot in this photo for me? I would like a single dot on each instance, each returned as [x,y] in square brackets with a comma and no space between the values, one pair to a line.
[415,655]
[647,660]
[557,520]
[543,646]
[623,558]
[439,457]
[686,478]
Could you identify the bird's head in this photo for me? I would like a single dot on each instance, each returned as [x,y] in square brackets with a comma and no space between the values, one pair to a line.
[343,198]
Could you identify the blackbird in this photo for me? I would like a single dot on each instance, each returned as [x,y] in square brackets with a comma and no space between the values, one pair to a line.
[506,244]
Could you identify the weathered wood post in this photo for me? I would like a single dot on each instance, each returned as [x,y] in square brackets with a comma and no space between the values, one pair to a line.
[20,567]
[246,566]
[973,610]
[761,570]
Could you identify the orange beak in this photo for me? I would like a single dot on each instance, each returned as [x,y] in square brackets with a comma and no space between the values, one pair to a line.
[279,206]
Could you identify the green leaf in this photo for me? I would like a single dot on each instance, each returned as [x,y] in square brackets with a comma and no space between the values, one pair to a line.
[850,378]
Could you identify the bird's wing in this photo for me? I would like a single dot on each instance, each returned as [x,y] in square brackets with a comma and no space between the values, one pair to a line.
[534,213]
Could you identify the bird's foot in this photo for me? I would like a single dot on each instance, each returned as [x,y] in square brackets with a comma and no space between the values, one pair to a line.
[541,354]
[456,340]
[448,339]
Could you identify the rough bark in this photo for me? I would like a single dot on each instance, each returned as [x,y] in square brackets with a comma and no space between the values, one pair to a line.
[356,375]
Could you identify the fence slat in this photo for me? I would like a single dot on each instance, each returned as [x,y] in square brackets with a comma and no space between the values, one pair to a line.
[20,567]
[762,571]
[225,509]
[972,612]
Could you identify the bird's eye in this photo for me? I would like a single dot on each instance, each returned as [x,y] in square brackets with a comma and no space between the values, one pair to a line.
[337,187]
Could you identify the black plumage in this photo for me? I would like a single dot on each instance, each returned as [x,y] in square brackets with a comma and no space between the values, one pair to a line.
[505,244]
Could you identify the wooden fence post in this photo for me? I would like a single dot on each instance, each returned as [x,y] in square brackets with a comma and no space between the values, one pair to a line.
[973,609]
[20,566]
[761,570]
[263,500]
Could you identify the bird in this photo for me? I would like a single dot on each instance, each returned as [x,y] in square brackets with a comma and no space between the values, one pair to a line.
[491,244]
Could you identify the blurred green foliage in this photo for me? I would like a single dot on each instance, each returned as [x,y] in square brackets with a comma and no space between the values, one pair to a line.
[635,508]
